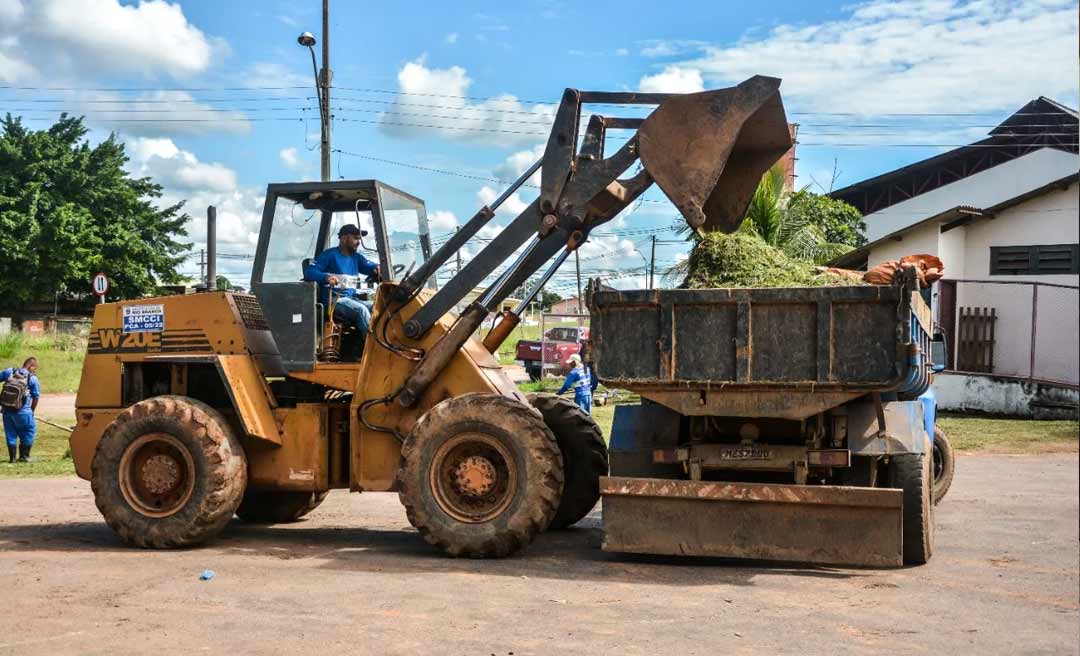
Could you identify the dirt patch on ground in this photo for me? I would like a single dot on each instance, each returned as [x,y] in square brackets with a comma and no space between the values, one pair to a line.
[355,578]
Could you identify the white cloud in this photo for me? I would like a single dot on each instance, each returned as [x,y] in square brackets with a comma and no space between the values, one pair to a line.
[273,74]
[451,38]
[510,208]
[288,20]
[516,164]
[668,48]
[180,170]
[607,249]
[155,113]
[87,37]
[442,221]
[200,184]
[503,120]
[10,11]
[673,79]
[621,52]
[913,56]
[290,157]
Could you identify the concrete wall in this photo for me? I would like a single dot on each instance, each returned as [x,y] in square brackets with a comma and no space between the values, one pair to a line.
[1004,396]
[1052,218]
[984,189]
[924,239]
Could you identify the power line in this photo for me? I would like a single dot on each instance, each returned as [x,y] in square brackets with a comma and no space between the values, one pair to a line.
[504,98]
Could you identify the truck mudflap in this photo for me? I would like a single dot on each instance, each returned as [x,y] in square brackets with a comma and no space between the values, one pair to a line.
[798,523]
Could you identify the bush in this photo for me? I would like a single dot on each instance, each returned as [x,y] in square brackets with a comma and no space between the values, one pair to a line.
[741,260]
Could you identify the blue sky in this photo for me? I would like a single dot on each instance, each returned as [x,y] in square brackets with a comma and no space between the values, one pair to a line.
[869,83]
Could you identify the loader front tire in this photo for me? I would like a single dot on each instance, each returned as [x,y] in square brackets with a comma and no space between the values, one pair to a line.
[168,472]
[481,476]
[944,464]
[277,506]
[913,473]
[584,454]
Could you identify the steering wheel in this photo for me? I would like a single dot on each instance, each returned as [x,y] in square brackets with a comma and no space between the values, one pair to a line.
[375,278]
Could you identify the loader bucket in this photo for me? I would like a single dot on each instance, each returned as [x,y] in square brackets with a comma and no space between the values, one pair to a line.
[791,523]
[708,150]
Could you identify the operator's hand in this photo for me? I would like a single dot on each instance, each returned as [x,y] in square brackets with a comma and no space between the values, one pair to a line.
[332,281]
[377,274]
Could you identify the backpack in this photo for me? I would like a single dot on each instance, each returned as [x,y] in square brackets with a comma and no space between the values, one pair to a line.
[16,387]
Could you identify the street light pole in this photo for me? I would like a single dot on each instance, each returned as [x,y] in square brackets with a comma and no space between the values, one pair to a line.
[324,80]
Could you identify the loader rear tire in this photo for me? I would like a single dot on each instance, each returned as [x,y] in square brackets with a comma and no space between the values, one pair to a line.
[913,473]
[277,506]
[481,476]
[168,472]
[584,454]
[944,465]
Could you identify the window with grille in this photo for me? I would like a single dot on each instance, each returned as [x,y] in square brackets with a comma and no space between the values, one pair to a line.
[1035,260]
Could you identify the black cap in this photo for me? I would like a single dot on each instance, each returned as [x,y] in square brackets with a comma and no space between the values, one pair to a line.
[350,229]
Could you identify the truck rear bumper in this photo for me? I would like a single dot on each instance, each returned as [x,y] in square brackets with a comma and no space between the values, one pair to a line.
[815,524]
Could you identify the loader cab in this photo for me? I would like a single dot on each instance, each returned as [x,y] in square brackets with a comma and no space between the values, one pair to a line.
[299,221]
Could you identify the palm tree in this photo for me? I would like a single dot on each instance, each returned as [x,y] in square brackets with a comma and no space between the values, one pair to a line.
[768,218]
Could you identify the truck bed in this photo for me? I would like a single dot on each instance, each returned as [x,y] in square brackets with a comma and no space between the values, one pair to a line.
[819,339]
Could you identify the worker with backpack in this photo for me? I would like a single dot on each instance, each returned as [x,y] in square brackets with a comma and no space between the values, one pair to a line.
[18,400]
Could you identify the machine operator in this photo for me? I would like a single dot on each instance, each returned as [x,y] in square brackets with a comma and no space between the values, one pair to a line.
[333,268]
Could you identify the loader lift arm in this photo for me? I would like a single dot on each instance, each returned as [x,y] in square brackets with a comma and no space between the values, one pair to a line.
[684,146]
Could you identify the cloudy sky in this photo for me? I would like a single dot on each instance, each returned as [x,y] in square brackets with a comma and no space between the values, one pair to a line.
[214,98]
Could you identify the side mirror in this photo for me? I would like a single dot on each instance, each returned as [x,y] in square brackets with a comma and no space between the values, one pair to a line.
[939,353]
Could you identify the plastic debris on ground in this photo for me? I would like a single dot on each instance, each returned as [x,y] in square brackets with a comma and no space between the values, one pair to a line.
[206,575]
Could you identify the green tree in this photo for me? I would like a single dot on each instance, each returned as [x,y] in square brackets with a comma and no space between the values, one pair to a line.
[547,299]
[223,284]
[802,225]
[840,222]
[69,210]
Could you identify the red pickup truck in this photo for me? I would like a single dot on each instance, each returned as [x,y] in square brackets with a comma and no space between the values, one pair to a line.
[553,354]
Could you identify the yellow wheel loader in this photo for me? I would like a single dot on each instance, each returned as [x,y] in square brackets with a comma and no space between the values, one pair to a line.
[196,408]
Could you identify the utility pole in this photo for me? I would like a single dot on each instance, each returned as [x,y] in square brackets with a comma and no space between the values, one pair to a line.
[458,267]
[325,78]
[652,262]
[202,264]
[577,265]
[211,248]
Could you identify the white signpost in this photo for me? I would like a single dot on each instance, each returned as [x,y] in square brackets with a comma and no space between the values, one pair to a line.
[100,285]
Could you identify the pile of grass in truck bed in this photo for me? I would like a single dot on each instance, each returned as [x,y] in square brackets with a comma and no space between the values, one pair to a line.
[737,260]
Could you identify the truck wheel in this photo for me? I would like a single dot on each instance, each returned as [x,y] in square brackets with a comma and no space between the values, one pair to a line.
[913,473]
[944,465]
[584,454]
[481,475]
[168,472]
[534,373]
[277,506]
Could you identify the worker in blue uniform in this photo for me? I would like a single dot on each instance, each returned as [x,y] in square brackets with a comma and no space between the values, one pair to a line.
[332,268]
[18,400]
[580,381]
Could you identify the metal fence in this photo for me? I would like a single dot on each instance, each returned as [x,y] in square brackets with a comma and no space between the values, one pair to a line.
[1012,328]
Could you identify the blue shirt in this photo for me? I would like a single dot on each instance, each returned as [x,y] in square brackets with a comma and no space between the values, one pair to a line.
[32,387]
[580,380]
[332,262]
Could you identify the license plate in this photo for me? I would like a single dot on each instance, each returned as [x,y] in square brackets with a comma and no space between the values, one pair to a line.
[745,453]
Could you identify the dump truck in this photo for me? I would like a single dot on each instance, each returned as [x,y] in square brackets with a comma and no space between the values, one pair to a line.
[196,408]
[800,429]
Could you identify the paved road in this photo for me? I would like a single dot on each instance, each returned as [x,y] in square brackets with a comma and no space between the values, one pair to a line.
[356,579]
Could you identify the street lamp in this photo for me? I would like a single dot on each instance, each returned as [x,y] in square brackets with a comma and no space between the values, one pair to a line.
[322,92]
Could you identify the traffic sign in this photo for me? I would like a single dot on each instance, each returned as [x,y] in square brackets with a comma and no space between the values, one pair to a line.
[100,284]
